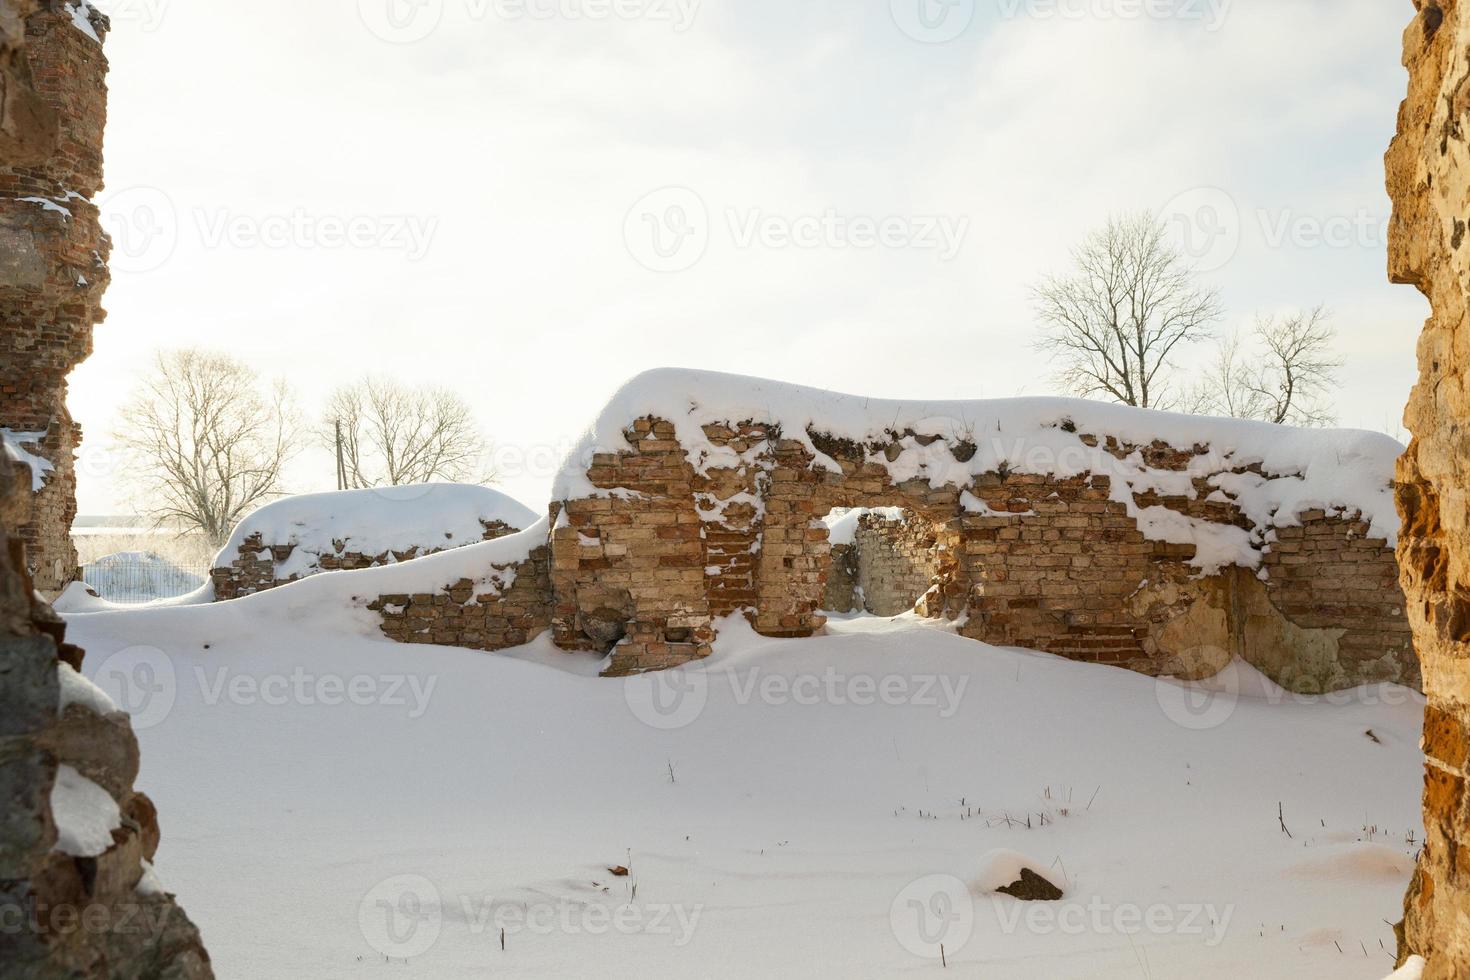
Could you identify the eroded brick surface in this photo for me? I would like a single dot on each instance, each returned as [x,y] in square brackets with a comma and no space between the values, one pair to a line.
[645,567]
[53,254]
[1429,180]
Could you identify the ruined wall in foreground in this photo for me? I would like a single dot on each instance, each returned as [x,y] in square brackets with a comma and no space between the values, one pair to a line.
[1429,180]
[53,254]
[74,904]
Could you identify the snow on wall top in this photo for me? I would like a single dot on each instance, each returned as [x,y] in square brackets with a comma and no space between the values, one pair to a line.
[1335,470]
[371,522]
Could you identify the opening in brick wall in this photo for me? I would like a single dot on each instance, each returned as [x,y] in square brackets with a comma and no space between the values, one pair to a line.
[883,560]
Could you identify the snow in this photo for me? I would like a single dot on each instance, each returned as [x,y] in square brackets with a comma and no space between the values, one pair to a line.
[372,522]
[47,204]
[842,523]
[80,17]
[14,444]
[85,814]
[149,885]
[1335,470]
[1412,970]
[76,689]
[819,787]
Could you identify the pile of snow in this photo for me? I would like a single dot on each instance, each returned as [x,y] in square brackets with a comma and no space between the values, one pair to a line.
[14,444]
[1339,471]
[781,814]
[433,516]
[842,523]
[138,576]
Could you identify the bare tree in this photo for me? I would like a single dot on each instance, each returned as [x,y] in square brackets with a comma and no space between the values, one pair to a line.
[392,435]
[208,440]
[1115,323]
[1284,379]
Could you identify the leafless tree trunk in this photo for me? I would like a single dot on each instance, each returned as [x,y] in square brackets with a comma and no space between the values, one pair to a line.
[208,440]
[1116,322]
[1286,377]
[392,435]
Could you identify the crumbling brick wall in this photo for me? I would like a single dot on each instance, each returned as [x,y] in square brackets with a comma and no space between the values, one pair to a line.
[53,253]
[647,557]
[511,609]
[256,567]
[897,561]
[842,581]
[133,928]
[1428,170]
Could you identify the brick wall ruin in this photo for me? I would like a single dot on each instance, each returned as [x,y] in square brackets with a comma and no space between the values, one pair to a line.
[257,567]
[1429,180]
[647,557]
[53,252]
[58,734]
[889,566]
[60,739]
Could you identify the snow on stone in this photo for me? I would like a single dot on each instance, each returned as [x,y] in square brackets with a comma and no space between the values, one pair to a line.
[47,204]
[14,447]
[1339,471]
[149,885]
[372,522]
[1412,970]
[85,814]
[81,19]
[77,689]
[842,523]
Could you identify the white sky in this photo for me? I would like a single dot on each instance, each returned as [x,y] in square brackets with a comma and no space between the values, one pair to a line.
[520,151]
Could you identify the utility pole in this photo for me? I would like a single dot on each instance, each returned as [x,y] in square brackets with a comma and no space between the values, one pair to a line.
[341,463]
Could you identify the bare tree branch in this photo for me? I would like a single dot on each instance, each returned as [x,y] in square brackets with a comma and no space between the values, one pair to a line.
[1115,323]
[208,441]
[393,435]
[1284,380]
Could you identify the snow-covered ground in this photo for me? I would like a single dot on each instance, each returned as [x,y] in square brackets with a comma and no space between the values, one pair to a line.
[334,805]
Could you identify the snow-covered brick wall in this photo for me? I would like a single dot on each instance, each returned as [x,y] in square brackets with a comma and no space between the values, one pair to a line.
[300,536]
[1162,543]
